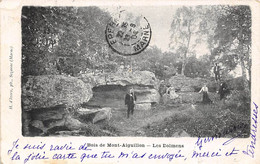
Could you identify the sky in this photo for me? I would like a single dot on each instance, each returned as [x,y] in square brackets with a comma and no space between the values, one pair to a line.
[160,19]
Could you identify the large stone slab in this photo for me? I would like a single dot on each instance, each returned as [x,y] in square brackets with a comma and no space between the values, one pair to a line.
[143,106]
[147,95]
[104,113]
[144,78]
[52,90]
[187,84]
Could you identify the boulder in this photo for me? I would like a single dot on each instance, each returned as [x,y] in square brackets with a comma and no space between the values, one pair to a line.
[39,125]
[109,89]
[73,124]
[187,84]
[180,133]
[143,106]
[102,114]
[147,95]
[172,98]
[54,113]
[52,90]
[144,78]
[195,97]
[94,115]
[187,89]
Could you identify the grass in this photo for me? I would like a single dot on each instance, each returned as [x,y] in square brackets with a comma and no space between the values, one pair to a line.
[204,121]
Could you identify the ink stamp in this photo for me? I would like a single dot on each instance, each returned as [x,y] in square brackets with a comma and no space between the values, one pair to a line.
[128,35]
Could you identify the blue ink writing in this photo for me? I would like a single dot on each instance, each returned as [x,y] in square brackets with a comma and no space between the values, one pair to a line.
[250,148]
[107,154]
[206,154]
[84,155]
[123,155]
[15,145]
[63,147]
[16,156]
[200,141]
[64,156]
[168,156]
[135,155]
[37,156]
[35,147]
[83,147]
[232,152]
[230,140]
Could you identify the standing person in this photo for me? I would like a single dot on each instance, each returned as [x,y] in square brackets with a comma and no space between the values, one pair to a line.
[130,100]
[223,90]
[216,72]
[205,98]
[162,88]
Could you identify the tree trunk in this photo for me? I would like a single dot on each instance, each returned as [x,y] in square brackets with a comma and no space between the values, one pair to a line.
[184,60]
[183,67]
[245,81]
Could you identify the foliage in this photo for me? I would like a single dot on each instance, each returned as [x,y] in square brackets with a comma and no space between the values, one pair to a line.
[239,101]
[232,39]
[163,65]
[197,67]
[63,40]
[69,40]
[207,121]
[189,28]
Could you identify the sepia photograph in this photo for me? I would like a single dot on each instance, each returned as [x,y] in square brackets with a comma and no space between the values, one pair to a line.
[136,71]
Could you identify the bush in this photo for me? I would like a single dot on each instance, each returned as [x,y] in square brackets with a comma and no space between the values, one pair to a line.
[238,101]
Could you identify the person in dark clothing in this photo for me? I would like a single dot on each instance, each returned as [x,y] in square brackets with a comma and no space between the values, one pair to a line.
[223,90]
[130,100]
[162,88]
[216,72]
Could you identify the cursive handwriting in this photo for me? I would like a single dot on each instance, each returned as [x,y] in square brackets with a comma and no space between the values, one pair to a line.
[251,147]
[15,145]
[200,141]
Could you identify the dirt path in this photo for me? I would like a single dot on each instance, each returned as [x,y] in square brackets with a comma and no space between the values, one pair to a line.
[133,126]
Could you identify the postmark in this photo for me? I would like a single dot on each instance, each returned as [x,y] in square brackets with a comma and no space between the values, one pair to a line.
[128,35]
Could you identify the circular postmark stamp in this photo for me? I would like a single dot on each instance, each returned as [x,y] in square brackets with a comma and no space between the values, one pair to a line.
[128,35]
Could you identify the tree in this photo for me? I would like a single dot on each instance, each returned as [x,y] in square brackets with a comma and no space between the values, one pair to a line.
[233,39]
[63,40]
[193,27]
[184,26]
[198,67]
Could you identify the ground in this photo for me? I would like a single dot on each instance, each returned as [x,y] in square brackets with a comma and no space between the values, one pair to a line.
[181,120]
[135,124]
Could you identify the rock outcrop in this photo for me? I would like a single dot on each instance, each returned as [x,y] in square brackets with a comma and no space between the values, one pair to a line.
[187,88]
[187,84]
[94,115]
[142,78]
[52,90]
[109,89]
[51,103]
[47,101]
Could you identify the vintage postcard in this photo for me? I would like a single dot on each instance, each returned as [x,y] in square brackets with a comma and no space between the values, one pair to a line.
[130,81]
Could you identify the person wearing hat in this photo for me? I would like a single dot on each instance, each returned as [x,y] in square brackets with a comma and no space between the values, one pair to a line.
[217,72]
[223,90]
[130,100]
